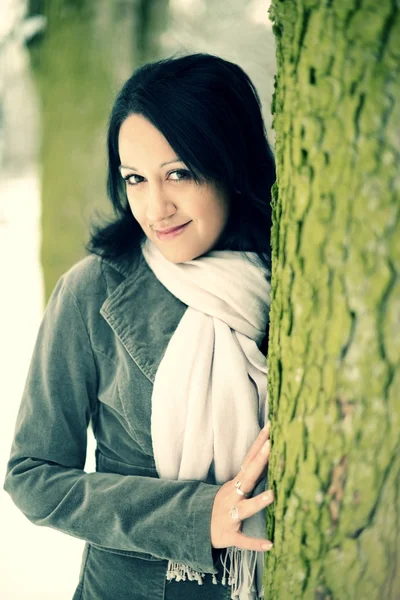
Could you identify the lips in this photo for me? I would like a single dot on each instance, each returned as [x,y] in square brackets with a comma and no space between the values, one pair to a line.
[171,232]
[171,228]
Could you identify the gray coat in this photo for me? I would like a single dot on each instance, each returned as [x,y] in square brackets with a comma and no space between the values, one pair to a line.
[103,335]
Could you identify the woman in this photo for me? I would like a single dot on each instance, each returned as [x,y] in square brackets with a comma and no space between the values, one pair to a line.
[158,338]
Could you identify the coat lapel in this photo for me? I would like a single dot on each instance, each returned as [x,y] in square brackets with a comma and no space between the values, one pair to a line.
[143,314]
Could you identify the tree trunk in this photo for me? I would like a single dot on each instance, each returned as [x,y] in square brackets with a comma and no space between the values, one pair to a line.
[334,347]
[89,48]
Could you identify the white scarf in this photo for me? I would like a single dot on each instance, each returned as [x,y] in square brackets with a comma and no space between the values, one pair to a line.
[209,397]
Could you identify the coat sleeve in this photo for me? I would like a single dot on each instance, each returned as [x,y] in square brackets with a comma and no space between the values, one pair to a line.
[45,474]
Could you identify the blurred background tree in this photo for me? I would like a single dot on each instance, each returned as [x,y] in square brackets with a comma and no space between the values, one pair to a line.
[86,51]
[80,60]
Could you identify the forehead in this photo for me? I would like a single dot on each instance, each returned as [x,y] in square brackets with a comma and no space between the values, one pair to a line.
[139,138]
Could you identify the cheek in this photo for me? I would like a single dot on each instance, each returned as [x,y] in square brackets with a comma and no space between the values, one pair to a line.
[214,208]
[135,210]
[213,216]
[222,212]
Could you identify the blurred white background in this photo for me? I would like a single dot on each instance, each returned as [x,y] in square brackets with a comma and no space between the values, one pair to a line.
[39,563]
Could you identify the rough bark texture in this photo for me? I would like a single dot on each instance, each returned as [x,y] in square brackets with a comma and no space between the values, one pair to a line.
[334,348]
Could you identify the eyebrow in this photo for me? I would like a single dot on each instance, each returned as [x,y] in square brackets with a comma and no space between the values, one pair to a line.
[176,159]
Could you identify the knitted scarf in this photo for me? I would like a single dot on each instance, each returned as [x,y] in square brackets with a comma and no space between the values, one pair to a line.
[209,397]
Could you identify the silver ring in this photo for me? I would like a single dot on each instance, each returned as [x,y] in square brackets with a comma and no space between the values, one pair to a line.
[239,491]
[234,513]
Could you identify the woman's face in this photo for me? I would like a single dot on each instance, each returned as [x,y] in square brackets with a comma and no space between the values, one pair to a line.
[162,194]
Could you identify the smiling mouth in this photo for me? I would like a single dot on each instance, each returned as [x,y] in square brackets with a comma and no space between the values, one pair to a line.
[170,233]
[171,228]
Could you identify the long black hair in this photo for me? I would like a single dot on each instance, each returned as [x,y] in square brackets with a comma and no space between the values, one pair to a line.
[209,111]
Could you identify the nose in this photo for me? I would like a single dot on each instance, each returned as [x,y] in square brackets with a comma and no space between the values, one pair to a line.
[159,205]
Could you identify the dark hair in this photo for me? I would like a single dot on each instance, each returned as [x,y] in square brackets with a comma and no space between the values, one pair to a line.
[209,111]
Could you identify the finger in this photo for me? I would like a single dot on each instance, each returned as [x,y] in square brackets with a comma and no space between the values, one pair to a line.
[248,507]
[256,446]
[255,468]
[251,543]
[262,475]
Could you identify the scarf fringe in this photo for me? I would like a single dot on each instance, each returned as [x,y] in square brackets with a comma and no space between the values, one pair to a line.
[181,572]
[231,575]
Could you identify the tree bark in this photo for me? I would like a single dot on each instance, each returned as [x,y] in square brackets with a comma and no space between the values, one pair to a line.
[334,346]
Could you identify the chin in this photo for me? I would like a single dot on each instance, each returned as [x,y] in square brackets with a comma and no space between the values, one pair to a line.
[184,253]
[179,257]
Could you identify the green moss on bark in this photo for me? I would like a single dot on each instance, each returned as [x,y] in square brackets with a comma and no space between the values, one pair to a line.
[334,353]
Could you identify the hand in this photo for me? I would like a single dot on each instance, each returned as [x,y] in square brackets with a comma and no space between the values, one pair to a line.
[226,531]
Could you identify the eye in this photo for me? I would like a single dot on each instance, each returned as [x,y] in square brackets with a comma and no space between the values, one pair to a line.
[183,174]
[128,178]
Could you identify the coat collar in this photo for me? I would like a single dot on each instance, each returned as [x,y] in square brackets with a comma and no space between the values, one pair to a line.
[141,311]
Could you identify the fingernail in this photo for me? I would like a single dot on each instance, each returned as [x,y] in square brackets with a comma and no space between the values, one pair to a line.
[268,496]
[265,447]
[267,546]
[267,424]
